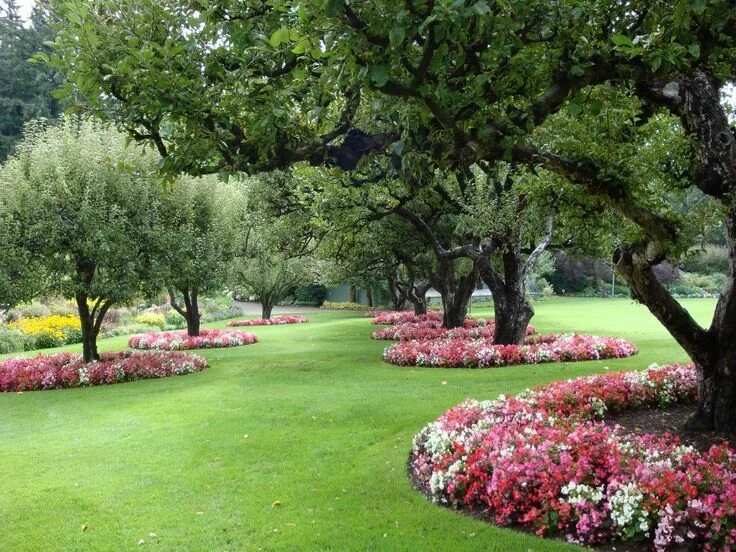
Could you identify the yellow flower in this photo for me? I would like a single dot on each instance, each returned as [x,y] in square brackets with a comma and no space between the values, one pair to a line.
[52,325]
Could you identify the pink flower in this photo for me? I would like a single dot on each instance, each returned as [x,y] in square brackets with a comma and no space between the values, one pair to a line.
[277,320]
[207,339]
[68,370]
[543,460]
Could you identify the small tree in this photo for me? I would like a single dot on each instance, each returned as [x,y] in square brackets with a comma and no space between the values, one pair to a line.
[197,227]
[275,246]
[82,202]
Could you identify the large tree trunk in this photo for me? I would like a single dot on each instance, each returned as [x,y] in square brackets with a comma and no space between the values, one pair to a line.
[190,311]
[417,295]
[91,323]
[369,296]
[266,309]
[456,292]
[353,294]
[512,308]
[513,311]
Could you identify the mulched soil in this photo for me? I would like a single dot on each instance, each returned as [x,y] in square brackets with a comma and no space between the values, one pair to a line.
[669,420]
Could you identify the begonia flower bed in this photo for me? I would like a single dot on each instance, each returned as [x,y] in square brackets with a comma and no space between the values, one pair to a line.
[179,341]
[544,461]
[275,321]
[482,353]
[69,370]
[392,318]
[473,328]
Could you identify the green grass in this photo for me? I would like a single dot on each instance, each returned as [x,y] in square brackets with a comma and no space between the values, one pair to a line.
[329,429]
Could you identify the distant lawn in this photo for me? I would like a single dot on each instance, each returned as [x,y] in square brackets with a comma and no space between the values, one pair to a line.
[329,429]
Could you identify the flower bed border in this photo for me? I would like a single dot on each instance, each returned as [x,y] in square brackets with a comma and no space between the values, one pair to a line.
[543,461]
[480,353]
[275,321]
[67,370]
[180,341]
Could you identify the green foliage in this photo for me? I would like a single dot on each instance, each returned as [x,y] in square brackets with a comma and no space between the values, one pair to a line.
[152,319]
[25,89]
[709,260]
[15,342]
[337,305]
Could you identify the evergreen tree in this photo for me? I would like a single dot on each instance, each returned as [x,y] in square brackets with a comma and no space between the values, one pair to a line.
[25,87]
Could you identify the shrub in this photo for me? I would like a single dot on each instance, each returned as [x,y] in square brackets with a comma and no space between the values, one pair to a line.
[14,342]
[313,294]
[68,370]
[711,259]
[208,339]
[151,319]
[543,461]
[345,306]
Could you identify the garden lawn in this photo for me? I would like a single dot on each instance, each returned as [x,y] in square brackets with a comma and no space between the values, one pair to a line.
[298,442]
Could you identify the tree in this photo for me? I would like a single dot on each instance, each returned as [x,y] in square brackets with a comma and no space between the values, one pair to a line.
[198,223]
[274,253]
[82,206]
[25,90]
[469,82]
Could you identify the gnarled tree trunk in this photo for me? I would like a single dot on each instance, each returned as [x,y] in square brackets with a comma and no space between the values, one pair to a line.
[190,311]
[512,308]
[91,323]
[455,291]
[417,295]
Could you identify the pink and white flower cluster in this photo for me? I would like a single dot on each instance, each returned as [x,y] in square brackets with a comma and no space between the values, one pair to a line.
[179,341]
[482,353]
[68,370]
[473,328]
[402,317]
[275,321]
[542,460]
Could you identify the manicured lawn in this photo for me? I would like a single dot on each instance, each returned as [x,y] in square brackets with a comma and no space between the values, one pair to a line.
[328,426]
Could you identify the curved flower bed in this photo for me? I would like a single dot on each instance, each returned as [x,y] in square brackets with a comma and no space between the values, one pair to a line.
[464,353]
[473,328]
[68,370]
[392,318]
[542,460]
[179,341]
[275,321]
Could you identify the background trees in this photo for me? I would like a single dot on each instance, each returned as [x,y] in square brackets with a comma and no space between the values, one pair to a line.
[81,204]
[468,82]
[25,89]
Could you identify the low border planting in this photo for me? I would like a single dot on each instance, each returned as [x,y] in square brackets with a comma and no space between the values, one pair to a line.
[66,370]
[275,321]
[392,318]
[180,341]
[473,328]
[543,460]
[482,353]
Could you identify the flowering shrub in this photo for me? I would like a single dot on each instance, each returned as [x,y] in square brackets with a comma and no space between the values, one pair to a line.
[68,370]
[543,460]
[393,318]
[50,331]
[276,320]
[482,353]
[473,328]
[177,341]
